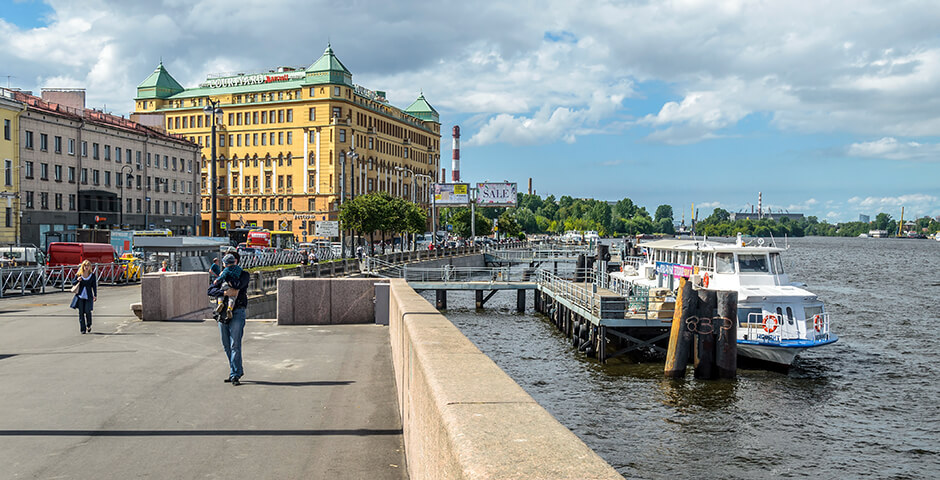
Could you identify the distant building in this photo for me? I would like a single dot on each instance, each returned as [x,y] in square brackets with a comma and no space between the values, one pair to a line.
[84,167]
[864,218]
[10,111]
[768,215]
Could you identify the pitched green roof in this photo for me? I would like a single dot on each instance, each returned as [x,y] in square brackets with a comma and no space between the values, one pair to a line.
[422,109]
[160,84]
[328,69]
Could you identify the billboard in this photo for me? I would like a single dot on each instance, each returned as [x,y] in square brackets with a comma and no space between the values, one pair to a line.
[452,193]
[496,194]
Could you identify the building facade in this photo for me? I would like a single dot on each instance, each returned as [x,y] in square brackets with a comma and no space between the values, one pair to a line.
[82,168]
[10,111]
[291,141]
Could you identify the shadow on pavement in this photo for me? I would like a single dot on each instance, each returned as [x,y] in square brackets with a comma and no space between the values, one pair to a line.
[359,432]
[296,384]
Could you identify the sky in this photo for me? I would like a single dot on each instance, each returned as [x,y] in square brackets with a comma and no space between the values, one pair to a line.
[829,109]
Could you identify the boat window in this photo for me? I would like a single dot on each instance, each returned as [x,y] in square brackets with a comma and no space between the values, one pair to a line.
[789,315]
[776,264]
[752,263]
[725,263]
[779,313]
[746,314]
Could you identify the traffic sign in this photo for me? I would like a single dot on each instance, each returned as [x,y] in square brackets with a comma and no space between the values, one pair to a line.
[223,225]
[327,228]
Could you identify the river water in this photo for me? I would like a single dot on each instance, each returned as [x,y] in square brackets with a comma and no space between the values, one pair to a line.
[867,406]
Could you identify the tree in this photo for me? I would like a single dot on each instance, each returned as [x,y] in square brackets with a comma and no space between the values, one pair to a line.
[719,215]
[460,219]
[663,211]
[664,225]
[508,225]
[881,221]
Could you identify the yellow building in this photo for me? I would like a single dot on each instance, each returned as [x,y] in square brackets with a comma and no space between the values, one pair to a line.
[285,137]
[9,156]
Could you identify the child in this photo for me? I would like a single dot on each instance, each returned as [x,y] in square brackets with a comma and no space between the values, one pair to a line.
[229,278]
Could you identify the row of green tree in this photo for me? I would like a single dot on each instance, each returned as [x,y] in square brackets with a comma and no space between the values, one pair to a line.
[380,213]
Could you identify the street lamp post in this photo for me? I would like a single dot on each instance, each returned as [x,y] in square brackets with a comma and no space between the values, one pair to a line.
[342,192]
[127,179]
[212,109]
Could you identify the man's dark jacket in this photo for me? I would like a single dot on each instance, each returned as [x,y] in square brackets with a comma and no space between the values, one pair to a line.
[241,301]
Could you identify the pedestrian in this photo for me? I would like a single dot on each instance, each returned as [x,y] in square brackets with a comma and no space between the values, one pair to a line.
[228,279]
[359,252]
[164,266]
[312,257]
[86,294]
[214,270]
[231,330]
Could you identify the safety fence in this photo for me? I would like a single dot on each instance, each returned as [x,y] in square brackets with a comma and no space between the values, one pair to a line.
[41,279]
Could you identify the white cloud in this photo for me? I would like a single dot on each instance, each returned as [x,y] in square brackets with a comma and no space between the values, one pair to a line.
[892,149]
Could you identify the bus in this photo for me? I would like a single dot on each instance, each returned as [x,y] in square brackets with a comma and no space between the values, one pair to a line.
[278,239]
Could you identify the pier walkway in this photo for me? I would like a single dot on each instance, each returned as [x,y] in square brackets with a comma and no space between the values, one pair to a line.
[146,399]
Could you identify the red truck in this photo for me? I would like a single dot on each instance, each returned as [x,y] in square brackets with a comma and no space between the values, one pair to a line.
[69,254]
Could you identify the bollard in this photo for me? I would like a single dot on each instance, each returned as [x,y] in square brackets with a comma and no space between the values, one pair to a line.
[479,298]
[579,269]
[726,346]
[680,338]
[705,327]
[520,300]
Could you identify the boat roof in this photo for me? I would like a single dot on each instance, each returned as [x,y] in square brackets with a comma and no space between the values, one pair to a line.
[707,245]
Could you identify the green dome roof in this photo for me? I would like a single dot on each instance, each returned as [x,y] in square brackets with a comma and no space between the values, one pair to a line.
[422,109]
[160,84]
[328,69]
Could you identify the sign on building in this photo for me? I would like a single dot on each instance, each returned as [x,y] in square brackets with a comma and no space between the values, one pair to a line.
[452,193]
[327,228]
[496,194]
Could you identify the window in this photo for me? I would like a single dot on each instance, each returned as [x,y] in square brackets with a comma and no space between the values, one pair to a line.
[231,119]
[58,201]
[254,139]
[29,170]
[95,177]
[71,146]
[290,115]
[138,159]
[7,130]
[166,162]
[174,164]
[29,139]
[280,116]
[221,139]
[724,263]
[138,205]
[118,179]
[58,173]
[57,144]
[72,201]
[775,264]
[8,173]
[264,139]
[290,138]
[117,154]
[313,114]
[44,200]
[29,200]
[128,156]
[337,111]
[280,138]
[335,91]
[138,182]
[43,142]
[84,149]
[342,135]
[84,176]
[254,117]
[94,151]
[71,174]
[107,178]
[264,116]
[148,159]
[107,152]
[752,263]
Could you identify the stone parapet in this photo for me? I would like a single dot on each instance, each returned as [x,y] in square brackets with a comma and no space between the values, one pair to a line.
[463,417]
[325,301]
[170,296]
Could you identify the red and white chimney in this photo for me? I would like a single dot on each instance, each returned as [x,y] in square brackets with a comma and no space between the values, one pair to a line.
[455,164]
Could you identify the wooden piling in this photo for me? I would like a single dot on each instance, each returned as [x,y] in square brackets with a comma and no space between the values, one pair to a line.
[441,299]
[479,298]
[520,300]
[726,344]
[705,327]
[680,338]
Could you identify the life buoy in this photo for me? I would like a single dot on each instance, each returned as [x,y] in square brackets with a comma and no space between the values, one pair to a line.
[818,323]
[770,323]
[705,281]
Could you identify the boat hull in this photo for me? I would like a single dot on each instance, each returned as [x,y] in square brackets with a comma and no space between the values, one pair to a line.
[778,353]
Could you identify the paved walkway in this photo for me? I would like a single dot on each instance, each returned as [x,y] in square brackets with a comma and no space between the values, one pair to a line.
[147,399]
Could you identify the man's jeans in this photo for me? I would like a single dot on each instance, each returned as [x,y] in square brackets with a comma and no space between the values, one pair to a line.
[232,341]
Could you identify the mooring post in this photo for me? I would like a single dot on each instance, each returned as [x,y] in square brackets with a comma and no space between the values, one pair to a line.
[442,299]
[705,368]
[680,337]
[479,298]
[520,300]
[602,345]
[726,346]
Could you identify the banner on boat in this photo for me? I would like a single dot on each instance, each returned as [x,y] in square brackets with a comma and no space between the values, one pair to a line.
[675,269]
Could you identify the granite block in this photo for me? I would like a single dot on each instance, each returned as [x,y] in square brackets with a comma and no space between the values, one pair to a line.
[311,301]
[353,300]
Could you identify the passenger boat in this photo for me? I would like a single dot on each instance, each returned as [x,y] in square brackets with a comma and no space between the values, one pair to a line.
[777,319]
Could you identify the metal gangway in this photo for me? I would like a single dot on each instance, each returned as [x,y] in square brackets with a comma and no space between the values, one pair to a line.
[537,254]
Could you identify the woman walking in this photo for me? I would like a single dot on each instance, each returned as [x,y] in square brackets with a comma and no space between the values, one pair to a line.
[86,295]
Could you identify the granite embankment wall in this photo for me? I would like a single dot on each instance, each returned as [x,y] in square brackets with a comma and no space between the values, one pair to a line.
[463,417]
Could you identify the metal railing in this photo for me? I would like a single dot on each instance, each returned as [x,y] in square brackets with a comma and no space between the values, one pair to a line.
[267,259]
[574,293]
[774,327]
[449,273]
[42,279]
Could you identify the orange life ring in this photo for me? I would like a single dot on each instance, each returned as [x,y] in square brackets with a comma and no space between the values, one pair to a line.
[770,323]
[705,280]
[818,323]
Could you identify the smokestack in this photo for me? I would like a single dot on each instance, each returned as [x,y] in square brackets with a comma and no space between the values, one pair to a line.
[530,185]
[455,164]
[760,211]
[443,175]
